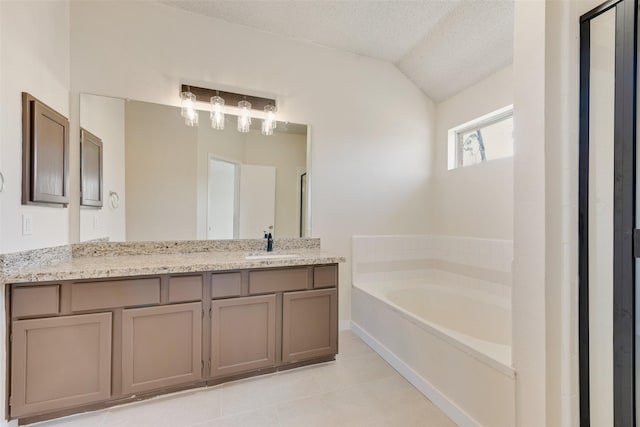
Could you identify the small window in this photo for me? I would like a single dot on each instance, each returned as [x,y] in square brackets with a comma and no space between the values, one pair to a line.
[483,139]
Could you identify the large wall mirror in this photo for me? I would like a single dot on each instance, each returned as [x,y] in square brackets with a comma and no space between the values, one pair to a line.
[164,180]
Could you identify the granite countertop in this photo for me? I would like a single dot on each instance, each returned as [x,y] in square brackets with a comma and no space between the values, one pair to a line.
[95,267]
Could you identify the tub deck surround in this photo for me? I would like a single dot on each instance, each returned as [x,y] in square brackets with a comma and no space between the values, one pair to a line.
[393,257]
[438,309]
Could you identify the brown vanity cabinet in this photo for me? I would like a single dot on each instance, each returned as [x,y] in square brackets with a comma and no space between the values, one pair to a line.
[243,334]
[309,324]
[161,346]
[79,345]
[325,276]
[278,280]
[60,362]
[185,288]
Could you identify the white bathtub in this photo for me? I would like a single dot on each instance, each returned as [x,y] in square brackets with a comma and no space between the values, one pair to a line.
[452,342]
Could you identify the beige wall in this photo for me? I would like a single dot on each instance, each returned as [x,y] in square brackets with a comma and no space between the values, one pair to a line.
[34,52]
[288,153]
[383,192]
[161,178]
[34,57]
[370,160]
[561,206]
[167,171]
[545,301]
[473,201]
[104,117]
[528,292]
[229,147]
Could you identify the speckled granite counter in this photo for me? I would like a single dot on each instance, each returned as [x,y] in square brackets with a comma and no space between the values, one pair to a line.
[136,265]
[103,260]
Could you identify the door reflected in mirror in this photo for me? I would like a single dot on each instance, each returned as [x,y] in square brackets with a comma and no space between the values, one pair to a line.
[183,183]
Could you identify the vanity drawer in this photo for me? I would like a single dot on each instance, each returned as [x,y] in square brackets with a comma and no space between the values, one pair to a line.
[35,300]
[225,285]
[290,279]
[185,288]
[325,276]
[115,293]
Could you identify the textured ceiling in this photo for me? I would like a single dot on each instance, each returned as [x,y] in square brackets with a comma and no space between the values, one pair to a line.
[472,42]
[441,45]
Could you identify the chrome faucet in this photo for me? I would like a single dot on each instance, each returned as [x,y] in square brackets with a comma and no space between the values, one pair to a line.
[269,238]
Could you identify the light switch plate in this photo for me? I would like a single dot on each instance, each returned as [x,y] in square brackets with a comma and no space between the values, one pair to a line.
[27,225]
[97,222]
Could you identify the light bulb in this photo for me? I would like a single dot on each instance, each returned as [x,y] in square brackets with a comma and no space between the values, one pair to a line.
[244,116]
[188,110]
[192,118]
[269,121]
[267,129]
[217,112]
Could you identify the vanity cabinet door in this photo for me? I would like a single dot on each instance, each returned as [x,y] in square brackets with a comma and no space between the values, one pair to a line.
[309,324]
[60,362]
[161,346]
[243,334]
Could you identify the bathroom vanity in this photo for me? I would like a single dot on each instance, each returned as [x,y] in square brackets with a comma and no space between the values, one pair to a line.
[146,325]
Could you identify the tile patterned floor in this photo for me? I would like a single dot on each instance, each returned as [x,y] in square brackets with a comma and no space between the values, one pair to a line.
[358,389]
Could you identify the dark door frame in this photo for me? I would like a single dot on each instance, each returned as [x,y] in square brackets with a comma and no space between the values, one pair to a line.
[624,212]
[303,191]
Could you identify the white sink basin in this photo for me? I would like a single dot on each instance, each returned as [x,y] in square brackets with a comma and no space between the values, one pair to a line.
[271,256]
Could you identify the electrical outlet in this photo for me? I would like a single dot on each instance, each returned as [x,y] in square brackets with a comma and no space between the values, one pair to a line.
[97,222]
[27,225]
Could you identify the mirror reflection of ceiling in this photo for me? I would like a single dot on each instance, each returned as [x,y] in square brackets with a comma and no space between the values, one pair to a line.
[443,46]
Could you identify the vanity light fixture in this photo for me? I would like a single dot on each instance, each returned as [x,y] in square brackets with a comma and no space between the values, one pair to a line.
[188,111]
[218,99]
[244,116]
[269,121]
[217,112]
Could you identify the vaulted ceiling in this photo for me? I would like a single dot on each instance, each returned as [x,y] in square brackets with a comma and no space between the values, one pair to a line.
[443,46]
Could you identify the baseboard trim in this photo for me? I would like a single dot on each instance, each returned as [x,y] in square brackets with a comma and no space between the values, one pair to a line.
[452,410]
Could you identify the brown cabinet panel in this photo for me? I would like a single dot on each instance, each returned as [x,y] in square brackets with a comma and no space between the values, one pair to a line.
[161,346]
[309,324]
[45,154]
[90,169]
[225,285]
[60,362]
[278,280]
[325,276]
[115,293]
[242,334]
[185,288]
[35,300]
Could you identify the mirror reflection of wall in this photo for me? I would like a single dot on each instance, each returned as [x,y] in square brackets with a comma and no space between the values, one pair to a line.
[241,199]
[104,117]
[181,183]
[223,192]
